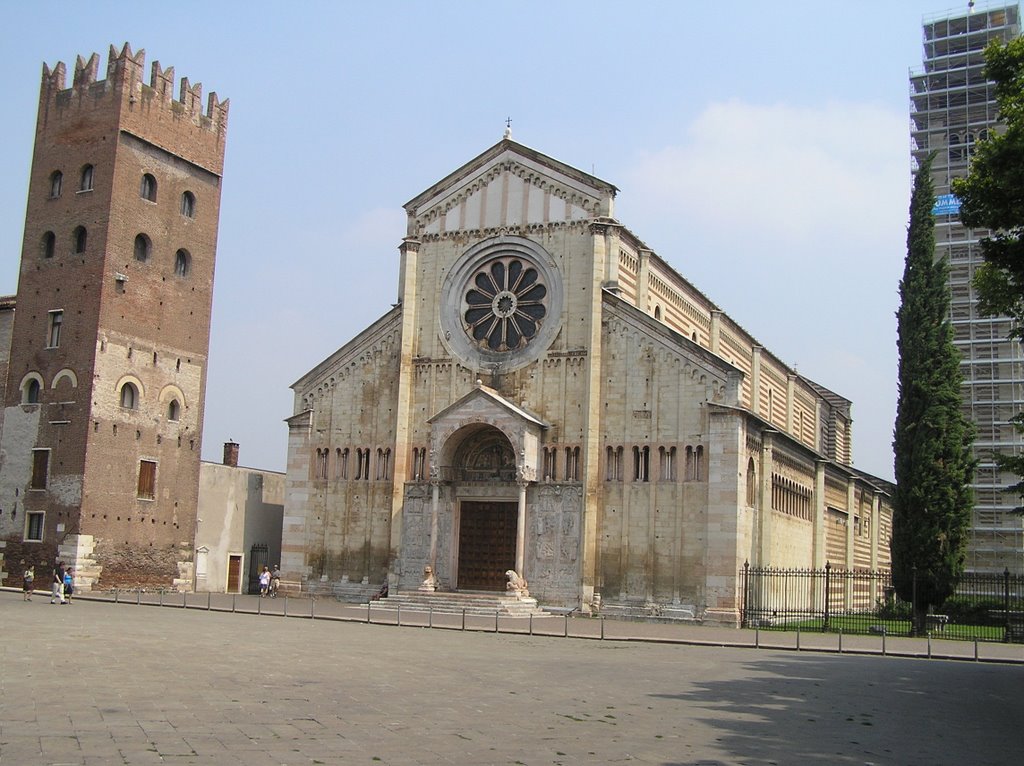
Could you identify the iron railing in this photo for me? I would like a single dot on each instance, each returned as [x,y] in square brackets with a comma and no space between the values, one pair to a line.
[985,607]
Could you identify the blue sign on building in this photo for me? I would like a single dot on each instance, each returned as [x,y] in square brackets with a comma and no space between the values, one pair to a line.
[946,204]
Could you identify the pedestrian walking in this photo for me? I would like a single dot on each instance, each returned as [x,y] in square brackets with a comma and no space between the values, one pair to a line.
[57,595]
[69,584]
[27,580]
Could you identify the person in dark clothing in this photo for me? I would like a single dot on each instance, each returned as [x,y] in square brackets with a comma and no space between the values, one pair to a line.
[57,595]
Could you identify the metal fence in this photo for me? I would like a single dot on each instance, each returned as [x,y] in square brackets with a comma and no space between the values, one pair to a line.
[985,607]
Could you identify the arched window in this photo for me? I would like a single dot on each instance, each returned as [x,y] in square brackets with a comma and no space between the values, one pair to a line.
[143,245]
[80,238]
[668,463]
[129,396]
[147,189]
[188,205]
[342,465]
[85,181]
[30,393]
[641,463]
[56,182]
[657,312]
[182,263]
[49,244]
[173,410]
[751,484]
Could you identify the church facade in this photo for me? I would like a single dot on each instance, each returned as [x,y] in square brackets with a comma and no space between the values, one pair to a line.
[550,405]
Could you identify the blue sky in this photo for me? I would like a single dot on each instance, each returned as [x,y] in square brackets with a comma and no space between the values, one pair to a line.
[760,148]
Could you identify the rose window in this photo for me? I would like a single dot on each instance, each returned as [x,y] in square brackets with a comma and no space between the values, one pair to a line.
[505,305]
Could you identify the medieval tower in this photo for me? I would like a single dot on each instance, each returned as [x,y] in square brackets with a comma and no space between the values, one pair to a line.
[103,413]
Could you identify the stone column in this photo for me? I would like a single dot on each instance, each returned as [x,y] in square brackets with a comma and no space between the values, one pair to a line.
[851,512]
[643,279]
[876,518]
[408,286]
[818,547]
[764,511]
[521,530]
[790,397]
[435,501]
[716,330]
[755,382]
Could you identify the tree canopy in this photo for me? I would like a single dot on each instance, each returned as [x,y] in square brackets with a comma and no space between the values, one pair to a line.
[932,438]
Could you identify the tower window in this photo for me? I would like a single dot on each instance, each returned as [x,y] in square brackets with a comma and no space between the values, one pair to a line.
[147,480]
[34,527]
[182,263]
[173,410]
[188,205]
[49,244]
[129,396]
[40,468]
[53,331]
[142,247]
[56,182]
[80,238]
[30,393]
[147,190]
[86,179]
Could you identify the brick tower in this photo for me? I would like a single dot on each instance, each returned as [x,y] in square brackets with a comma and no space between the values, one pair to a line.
[103,414]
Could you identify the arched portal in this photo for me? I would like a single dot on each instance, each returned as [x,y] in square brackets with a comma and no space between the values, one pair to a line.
[484,468]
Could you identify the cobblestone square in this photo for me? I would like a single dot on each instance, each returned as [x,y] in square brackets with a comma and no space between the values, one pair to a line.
[102,683]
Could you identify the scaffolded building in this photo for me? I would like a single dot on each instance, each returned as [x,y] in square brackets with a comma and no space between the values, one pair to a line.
[952,107]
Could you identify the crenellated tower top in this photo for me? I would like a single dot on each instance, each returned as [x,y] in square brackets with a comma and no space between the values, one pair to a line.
[150,111]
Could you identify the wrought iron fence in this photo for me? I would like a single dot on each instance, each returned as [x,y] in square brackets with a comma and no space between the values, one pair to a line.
[985,607]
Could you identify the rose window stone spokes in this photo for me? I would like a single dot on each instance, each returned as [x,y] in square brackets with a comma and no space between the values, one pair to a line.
[506,305]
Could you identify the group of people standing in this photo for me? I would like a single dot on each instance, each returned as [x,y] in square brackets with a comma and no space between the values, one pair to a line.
[270,581]
[62,584]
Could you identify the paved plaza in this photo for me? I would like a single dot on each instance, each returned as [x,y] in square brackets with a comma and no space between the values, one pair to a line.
[114,683]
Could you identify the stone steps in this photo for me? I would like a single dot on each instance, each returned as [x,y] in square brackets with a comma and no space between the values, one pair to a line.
[476,603]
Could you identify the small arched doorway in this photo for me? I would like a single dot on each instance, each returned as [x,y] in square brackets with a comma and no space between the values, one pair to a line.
[485,471]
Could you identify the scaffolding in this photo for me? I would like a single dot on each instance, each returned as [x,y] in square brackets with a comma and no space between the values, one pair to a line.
[952,107]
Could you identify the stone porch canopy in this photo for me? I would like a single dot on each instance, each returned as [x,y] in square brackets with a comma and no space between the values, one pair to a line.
[482,407]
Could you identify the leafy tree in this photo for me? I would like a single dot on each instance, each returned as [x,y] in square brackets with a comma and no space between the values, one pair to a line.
[932,439]
[992,197]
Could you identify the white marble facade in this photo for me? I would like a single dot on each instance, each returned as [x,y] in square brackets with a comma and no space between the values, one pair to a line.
[550,397]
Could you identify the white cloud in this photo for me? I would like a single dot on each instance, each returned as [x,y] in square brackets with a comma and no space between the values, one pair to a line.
[793,220]
[793,174]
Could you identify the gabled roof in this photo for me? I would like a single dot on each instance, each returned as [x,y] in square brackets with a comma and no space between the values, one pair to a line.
[489,394]
[510,147]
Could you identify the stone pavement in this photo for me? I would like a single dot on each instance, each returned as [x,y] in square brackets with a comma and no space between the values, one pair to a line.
[103,683]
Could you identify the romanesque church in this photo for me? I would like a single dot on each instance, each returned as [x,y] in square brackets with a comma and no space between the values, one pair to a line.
[551,410]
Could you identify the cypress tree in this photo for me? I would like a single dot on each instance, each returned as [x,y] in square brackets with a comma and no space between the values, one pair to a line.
[932,438]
